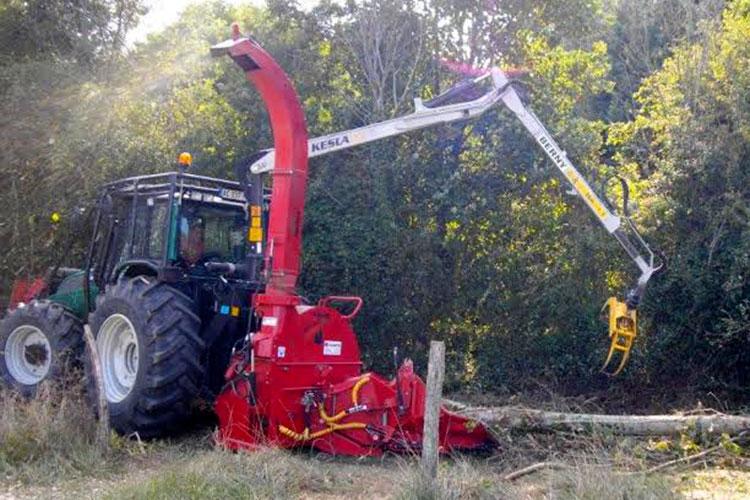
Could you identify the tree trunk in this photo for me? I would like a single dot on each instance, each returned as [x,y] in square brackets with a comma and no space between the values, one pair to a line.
[508,417]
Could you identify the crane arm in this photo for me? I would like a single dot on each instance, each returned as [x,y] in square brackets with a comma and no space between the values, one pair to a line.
[622,314]
[611,222]
[453,106]
[426,114]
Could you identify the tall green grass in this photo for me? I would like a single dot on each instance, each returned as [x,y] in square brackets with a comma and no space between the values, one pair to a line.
[469,479]
[590,482]
[48,437]
[457,480]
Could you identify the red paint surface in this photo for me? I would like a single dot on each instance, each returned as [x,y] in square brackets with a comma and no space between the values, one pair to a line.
[290,174]
[24,291]
[291,366]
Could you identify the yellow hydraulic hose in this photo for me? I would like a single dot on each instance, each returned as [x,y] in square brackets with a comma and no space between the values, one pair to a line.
[355,390]
[355,399]
[306,436]
[332,422]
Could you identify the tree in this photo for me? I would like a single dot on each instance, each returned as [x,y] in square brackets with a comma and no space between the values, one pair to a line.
[81,31]
[690,138]
[644,34]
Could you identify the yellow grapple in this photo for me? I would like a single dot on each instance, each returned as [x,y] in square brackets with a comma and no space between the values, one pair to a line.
[622,332]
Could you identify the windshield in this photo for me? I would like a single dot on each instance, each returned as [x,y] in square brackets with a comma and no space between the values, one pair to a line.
[211,233]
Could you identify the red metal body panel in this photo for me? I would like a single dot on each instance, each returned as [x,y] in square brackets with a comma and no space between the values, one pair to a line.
[298,380]
[25,291]
[304,349]
[309,359]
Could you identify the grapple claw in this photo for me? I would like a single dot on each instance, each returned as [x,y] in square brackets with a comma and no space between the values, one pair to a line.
[622,333]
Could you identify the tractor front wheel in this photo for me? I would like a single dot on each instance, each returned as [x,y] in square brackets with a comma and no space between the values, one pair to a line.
[39,341]
[148,338]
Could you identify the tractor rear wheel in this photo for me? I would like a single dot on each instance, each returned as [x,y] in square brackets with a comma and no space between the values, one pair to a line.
[148,338]
[38,341]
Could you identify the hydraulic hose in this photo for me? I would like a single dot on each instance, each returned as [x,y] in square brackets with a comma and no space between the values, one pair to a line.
[332,422]
[355,400]
[355,390]
[307,436]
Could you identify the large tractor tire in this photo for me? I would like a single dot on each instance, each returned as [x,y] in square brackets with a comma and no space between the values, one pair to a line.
[148,338]
[39,341]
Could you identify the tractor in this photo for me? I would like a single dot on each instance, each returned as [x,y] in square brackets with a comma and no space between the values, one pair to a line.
[166,287]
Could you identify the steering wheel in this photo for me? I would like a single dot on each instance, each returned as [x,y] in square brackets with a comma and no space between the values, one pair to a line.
[207,257]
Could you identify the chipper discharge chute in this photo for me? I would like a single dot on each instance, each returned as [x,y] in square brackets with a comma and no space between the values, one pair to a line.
[297,379]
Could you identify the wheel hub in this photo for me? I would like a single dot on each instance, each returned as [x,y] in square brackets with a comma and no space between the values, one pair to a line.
[28,355]
[117,343]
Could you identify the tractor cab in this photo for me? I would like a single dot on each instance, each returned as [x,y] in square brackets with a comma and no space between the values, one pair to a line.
[175,226]
[190,234]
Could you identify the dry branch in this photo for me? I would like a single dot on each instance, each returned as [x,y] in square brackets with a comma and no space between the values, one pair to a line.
[533,468]
[688,459]
[511,417]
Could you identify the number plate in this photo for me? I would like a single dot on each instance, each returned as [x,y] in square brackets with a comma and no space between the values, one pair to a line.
[232,194]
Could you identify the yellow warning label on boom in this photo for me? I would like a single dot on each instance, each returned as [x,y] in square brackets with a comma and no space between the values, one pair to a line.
[585,191]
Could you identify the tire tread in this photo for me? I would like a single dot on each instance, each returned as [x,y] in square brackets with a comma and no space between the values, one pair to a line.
[173,371]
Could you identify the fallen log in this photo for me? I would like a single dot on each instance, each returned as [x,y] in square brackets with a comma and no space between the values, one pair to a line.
[525,419]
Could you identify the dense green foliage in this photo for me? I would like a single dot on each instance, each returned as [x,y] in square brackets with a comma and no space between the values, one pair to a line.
[462,232]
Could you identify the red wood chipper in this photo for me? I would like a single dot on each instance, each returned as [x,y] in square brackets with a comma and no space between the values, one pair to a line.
[297,379]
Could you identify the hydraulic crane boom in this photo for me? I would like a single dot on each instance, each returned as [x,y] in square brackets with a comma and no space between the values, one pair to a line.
[452,106]
[426,114]
[611,222]
[622,315]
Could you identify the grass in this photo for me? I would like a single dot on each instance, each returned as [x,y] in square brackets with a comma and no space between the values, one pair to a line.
[459,478]
[267,473]
[272,473]
[464,479]
[45,437]
[589,482]
[51,437]
[48,449]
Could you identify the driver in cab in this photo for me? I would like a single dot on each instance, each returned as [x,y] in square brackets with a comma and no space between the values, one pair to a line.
[192,239]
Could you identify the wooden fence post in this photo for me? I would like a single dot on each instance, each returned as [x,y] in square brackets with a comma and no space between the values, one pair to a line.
[102,432]
[430,437]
